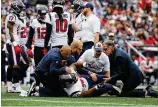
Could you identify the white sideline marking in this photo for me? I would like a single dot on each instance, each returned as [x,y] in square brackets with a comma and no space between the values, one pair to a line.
[67,102]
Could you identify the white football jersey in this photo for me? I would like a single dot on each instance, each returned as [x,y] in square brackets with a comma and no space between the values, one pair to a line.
[40,32]
[13,18]
[23,32]
[79,86]
[59,31]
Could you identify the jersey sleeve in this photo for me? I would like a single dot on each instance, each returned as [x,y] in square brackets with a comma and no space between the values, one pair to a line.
[83,57]
[12,18]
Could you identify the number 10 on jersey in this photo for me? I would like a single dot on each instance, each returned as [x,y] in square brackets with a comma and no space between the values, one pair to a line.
[61,26]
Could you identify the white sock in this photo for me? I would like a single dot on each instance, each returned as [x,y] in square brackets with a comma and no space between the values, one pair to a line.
[9,84]
[17,85]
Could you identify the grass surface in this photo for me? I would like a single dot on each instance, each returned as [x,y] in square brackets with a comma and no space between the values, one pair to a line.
[13,99]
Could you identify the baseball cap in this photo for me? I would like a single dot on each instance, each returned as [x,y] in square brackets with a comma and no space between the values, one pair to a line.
[111,34]
[98,46]
[89,5]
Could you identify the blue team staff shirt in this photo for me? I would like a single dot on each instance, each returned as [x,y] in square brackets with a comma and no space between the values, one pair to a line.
[53,62]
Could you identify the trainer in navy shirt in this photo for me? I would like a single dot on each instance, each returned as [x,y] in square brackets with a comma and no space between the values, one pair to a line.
[56,61]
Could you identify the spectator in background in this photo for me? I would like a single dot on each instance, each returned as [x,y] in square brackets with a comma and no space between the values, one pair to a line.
[4,8]
[123,4]
[42,2]
[144,6]
[97,8]
[150,40]
[154,6]
[147,67]
[111,37]
[134,60]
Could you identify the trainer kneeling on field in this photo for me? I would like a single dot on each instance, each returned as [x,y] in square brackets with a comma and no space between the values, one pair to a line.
[123,68]
[53,64]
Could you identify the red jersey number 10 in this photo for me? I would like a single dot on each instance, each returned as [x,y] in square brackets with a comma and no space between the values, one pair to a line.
[61,26]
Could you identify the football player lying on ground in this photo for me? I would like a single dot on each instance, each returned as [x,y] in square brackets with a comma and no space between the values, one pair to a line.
[76,85]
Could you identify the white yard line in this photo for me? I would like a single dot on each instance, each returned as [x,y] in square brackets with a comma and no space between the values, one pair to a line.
[76,102]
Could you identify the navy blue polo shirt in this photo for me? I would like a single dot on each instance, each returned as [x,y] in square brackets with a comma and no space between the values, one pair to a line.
[54,63]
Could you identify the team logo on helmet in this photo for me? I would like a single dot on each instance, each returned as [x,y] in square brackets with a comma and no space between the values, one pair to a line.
[77,6]
[42,11]
[58,3]
[17,6]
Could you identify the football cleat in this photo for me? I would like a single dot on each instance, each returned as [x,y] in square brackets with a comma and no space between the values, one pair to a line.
[151,92]
[18,90]
[36,94]
[10,90]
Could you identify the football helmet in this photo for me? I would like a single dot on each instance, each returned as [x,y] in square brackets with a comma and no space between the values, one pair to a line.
[17,6]
[58,3]
[41,12]
[68,79]
[77,6]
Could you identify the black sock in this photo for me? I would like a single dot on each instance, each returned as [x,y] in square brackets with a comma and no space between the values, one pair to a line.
[9,74]
[16,75]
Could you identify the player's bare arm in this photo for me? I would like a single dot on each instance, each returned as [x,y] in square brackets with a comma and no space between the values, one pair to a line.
[107,73]
[88,93]
[10,26]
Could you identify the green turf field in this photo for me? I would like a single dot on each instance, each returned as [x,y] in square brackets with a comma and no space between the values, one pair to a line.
[10,99]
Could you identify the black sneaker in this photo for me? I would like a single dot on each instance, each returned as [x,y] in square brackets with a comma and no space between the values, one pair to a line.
[151,92]
[31,89]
